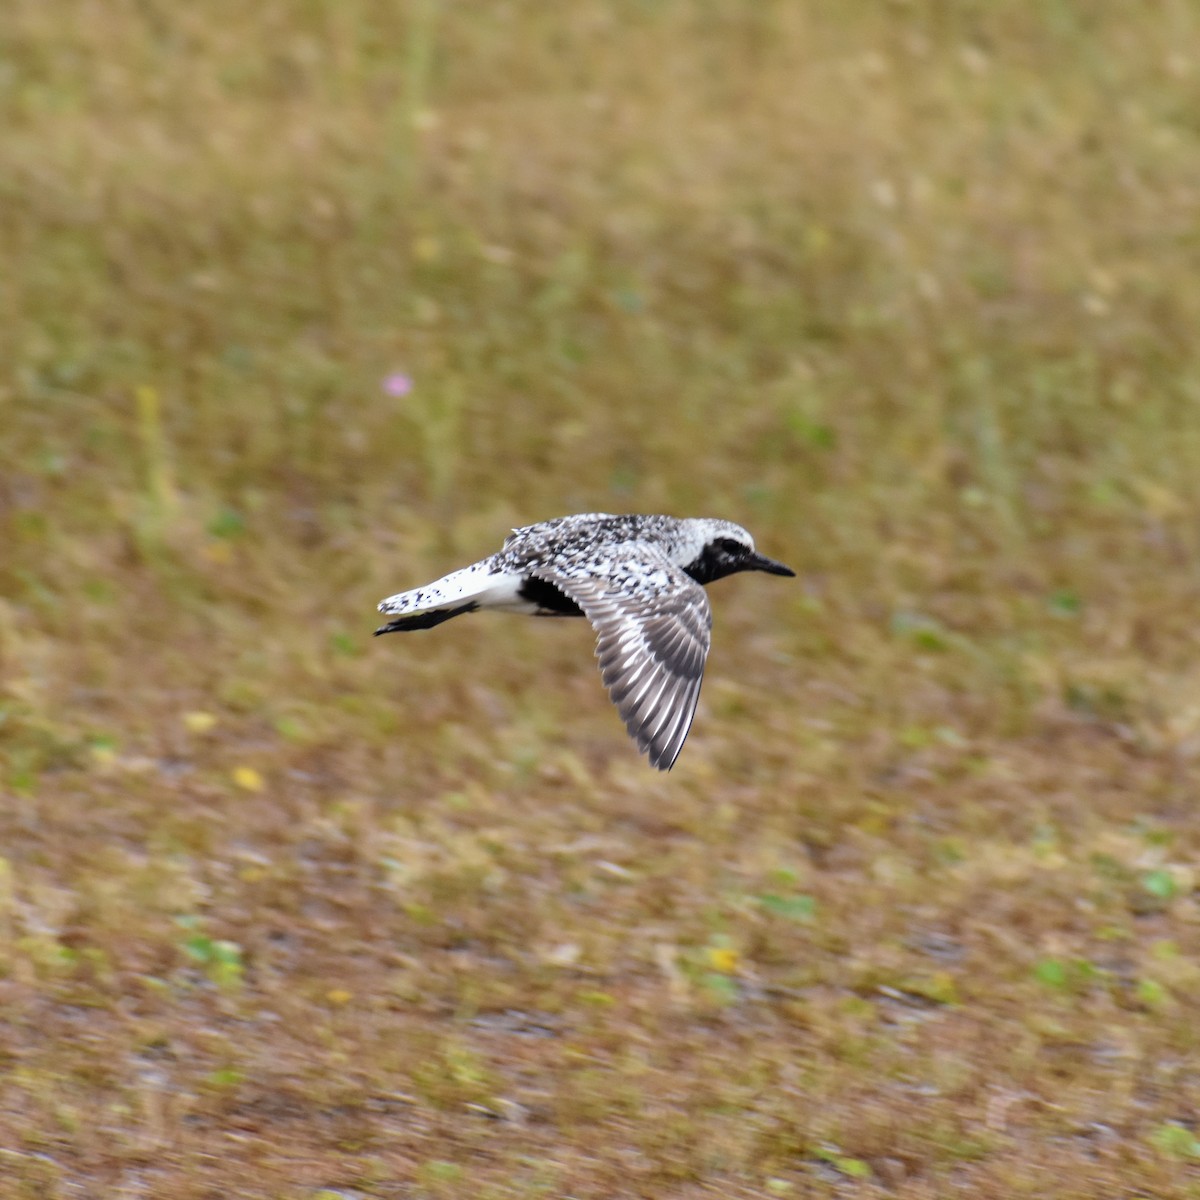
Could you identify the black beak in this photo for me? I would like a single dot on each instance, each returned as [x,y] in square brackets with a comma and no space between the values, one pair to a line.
[760,562]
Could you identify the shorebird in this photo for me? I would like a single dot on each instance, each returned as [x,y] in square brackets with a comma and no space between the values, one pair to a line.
[637,579]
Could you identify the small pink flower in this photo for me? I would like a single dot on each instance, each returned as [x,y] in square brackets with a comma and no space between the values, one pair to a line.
[398,384]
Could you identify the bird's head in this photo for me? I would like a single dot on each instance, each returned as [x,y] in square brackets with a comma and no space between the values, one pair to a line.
[726,549]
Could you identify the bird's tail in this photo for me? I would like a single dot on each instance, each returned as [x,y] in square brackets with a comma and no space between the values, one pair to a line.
[425,620]
[423,608]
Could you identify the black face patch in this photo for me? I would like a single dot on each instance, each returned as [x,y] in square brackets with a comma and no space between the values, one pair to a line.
[546,596]
[717,559]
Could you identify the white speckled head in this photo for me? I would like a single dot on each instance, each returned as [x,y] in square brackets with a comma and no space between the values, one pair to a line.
[709,549]
[697,533]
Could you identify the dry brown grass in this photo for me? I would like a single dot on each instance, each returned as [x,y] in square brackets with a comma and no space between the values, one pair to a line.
[909,289]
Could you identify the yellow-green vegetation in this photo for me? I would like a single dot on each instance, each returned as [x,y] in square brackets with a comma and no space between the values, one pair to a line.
[909,289]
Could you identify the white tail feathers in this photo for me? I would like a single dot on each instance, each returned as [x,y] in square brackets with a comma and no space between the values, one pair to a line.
[476,583]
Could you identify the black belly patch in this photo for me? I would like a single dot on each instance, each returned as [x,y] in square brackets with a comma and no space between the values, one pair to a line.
[548,598]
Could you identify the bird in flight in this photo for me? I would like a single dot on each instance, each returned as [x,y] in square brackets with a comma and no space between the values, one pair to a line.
[637,579]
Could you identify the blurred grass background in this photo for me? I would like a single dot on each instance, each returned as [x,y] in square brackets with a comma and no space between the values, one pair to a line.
[909,289]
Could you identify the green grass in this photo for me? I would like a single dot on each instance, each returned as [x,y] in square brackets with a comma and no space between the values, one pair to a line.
[907,289]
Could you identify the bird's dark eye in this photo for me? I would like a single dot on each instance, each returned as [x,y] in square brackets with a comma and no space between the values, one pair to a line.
[730,547]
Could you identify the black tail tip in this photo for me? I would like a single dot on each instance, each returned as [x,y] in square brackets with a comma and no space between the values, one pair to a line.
[426,619]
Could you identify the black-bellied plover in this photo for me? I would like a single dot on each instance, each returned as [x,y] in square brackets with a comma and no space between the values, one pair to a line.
[636,578]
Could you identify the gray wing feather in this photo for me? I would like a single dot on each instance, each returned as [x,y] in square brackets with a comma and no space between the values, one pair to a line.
[653,630]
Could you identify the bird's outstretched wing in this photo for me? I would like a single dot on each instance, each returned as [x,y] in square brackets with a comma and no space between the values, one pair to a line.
[653,630]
